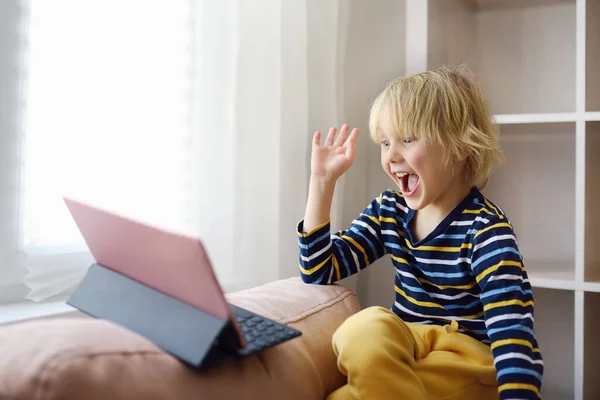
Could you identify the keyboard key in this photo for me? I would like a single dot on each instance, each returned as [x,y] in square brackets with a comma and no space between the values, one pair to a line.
[265,324]
[280,336]
[260,333]
[270,331]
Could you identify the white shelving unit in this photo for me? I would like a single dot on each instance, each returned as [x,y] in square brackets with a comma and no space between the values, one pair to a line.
[539,63]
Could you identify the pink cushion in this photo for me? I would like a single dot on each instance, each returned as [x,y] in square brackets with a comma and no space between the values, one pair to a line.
[75,358]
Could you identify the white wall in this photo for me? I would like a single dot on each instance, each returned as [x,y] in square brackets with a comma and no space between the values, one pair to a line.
[375,54]
[451,33]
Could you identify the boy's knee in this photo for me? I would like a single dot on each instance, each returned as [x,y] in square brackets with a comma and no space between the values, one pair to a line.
[372,338]
[366,320]
[372,313]
[373,326]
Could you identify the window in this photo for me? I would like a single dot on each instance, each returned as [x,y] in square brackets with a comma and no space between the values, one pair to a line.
[107,89]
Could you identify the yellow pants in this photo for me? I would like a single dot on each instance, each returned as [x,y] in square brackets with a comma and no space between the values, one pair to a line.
[385,358]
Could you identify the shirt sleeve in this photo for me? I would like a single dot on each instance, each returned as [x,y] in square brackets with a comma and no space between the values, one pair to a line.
[326,258]
[508,310]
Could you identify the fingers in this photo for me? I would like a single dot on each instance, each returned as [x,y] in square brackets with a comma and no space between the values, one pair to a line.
[338,141]
[353,136]
[316,139]
[351,144]
[341,138]
[330,136]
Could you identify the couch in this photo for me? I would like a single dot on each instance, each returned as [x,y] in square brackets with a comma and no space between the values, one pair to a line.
[84,358]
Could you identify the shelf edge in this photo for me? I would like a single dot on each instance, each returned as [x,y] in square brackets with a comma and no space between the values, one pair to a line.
[560,284]
[502,119]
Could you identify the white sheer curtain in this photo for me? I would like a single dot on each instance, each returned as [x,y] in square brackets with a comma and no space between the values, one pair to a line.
[195,115]
[286,76]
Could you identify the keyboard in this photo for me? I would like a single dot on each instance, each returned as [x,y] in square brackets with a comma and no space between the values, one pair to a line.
[260,332]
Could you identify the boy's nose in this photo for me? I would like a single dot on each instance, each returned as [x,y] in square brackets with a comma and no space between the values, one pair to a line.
[395,156]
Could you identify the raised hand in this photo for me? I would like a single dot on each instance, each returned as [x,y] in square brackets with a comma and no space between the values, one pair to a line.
[330,160]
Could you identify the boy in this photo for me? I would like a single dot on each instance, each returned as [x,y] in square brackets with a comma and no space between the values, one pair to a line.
[461,326]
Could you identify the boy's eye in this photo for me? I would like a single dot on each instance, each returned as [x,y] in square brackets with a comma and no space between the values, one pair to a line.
[385,143]
[409,140]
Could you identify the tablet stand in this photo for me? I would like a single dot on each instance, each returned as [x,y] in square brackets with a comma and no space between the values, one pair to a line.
[180,329]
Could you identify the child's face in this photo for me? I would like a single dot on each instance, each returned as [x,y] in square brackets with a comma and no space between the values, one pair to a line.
[418,170]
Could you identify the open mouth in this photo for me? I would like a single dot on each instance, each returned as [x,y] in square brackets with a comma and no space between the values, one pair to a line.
[408,182]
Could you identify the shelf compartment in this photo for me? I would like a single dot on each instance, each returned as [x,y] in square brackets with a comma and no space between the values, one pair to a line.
[592,202]
[591,360]
[554,328]
[523,54]
[536,179]
[551,275]
[592,56]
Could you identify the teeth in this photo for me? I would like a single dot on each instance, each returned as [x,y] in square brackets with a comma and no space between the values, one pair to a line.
[401,174]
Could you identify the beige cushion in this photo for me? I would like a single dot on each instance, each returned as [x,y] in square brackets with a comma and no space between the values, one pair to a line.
[73,358]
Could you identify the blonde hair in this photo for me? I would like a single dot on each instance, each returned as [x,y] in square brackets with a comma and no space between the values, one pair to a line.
[444,106]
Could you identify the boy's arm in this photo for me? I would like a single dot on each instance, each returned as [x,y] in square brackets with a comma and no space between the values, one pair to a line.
[318,205]
[320,261]
[326,258]
[508,310]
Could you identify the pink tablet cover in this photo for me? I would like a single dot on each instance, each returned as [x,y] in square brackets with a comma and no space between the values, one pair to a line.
[172,263]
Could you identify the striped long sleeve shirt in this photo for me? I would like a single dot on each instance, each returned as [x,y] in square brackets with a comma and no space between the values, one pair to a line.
[469,269]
